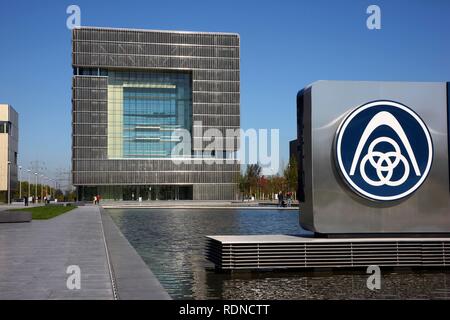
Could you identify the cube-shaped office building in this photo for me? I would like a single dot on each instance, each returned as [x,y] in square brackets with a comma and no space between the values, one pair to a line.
[133,91]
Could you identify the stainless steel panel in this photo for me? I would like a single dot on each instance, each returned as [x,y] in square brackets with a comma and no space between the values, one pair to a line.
[330,206]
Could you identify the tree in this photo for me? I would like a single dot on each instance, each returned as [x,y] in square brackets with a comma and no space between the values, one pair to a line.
[291,175]
[46,189]
[252,182]
[69,195]
[249,182]
[243,184]
[277,184]
[263,186]
[253,175]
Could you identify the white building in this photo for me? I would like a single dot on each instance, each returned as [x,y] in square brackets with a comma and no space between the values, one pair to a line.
[9,140]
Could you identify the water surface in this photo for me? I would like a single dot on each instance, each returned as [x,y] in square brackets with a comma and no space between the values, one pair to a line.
[172,243]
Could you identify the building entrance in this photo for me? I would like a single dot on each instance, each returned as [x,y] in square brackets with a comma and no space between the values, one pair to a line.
[134,193]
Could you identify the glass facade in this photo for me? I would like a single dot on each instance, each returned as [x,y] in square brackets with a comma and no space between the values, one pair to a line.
[145,112]
[138,192]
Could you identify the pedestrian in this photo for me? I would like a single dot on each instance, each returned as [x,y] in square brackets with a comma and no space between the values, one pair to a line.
[25,201]
[280,199]
[95,200]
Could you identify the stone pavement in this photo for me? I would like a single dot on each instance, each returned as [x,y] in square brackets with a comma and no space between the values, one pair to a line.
[34,257]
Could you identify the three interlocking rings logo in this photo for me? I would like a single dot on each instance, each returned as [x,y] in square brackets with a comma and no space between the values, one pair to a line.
[383,150]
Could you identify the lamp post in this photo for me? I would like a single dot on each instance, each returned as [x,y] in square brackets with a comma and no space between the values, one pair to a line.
[20,183]
[35,187]
[9,182]
[29,171]
[54,188]
[42,190]
[44,187]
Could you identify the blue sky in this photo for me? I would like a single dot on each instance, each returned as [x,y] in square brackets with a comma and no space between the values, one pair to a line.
[285,45]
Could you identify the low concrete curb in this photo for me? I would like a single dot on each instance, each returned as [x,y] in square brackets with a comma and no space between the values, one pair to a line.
[194,204]
[143,206]
[14,216]
[133,278]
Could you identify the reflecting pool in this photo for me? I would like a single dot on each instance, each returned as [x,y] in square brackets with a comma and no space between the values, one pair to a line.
[172,243]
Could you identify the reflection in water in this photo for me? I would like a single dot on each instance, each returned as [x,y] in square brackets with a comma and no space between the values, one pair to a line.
[404,284]
[172,242]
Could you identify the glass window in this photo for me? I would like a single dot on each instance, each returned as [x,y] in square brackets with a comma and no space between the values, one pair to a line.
[145,112]
[5,126]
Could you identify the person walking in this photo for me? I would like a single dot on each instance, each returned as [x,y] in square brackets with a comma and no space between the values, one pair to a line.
[95,200]
[280,199]
[289,199]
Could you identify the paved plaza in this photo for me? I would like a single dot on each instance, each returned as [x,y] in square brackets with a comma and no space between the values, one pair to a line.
[34,258]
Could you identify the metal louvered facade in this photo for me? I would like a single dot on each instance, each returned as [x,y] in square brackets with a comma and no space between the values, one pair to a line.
[285,252]
[211,61]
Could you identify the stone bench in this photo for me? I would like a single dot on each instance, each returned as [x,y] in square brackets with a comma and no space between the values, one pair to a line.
[14,216]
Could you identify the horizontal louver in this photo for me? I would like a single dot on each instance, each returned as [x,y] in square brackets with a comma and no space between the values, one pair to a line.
[301,253]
